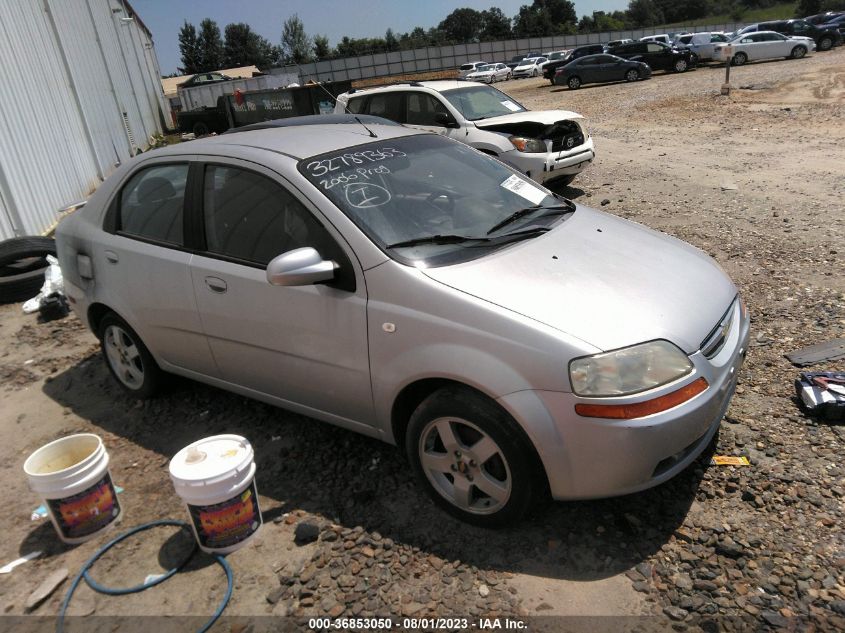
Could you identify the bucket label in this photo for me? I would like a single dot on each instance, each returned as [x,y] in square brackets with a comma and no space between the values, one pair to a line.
[88,511]
[227,523]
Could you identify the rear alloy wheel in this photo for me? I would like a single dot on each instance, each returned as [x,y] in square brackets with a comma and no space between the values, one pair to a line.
[739,59]
[681,65]
[472,458]
[127,357]
[632,75]
[825,44]
[798,52]
[574,83]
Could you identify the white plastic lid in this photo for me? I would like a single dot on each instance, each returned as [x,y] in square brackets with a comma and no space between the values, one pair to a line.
[211,459]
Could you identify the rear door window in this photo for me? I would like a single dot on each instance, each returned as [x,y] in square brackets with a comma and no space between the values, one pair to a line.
[387,105]
[421,109]
[152,204]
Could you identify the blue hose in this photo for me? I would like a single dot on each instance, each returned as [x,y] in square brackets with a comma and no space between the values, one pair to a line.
[83,574]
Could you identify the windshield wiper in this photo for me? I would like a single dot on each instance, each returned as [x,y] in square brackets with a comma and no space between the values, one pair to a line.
[513,217]
[438,239]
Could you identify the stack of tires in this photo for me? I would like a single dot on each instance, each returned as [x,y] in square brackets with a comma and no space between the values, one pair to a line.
[23,261]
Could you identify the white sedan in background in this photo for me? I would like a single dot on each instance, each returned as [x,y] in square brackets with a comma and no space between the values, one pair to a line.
[490,73]
[763,45]
[530,67]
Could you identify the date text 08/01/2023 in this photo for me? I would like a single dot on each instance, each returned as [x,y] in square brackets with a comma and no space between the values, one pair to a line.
[412,624]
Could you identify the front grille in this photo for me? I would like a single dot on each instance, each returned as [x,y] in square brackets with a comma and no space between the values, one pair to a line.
[565,135]
[715,340]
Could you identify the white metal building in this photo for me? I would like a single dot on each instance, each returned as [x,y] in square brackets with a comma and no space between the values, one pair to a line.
[80,92]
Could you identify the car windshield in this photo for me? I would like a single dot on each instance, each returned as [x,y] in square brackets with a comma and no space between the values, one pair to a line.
[427,200]
[481,102]
[517,58]
[557,55]
[485,68]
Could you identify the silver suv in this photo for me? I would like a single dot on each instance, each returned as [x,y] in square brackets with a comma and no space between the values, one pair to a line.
[545,145]
[405,286]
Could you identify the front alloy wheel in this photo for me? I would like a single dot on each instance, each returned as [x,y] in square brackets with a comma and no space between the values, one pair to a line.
[681,65]
[739,59]
[825,44]
[632,75]
[472,458]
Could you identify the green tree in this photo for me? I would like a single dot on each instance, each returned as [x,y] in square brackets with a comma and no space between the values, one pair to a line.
[808,7]
[545,17]
[322,50]
[190,50]
[296,45]
[644,13]
[495,25]
[390,41]
[244,47]
[462,25]
[211,46]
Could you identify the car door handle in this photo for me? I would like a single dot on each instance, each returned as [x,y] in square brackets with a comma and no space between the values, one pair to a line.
[111,257]
[215,284]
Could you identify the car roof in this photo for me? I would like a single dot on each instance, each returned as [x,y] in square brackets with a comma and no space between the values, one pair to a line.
[295,141]
[438,85]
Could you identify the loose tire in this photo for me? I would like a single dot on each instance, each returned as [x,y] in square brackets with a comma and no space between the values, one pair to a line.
[681,65]
[574,83]
[825,44]
[472,458]
[127,358]
[22,265]
[798,52]
[200,128]
[632,75]
[22,286]
[739,59]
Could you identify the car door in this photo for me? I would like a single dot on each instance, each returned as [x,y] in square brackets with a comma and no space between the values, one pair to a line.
[610,68]
[658,56]
[778,45]
[304,345]
[142,263]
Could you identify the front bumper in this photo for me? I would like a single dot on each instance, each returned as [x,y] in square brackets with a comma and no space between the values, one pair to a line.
[546,167]
[588,458]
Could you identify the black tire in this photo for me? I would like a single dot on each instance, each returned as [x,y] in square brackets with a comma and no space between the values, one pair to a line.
[574,82]
[825,44]
[680,65]
[632,75]
[515,458]
[113,325]
[739,59]
[200,128]
[21,286]
[17,249]
[563,181]
[798,52]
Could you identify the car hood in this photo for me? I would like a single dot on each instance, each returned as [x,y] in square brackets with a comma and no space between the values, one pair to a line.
[525,67]
[545,117]
[604,280]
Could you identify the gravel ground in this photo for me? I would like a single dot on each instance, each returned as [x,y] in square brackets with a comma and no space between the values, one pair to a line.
[755,179]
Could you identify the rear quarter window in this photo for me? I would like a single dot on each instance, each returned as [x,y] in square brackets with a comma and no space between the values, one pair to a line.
[355,106]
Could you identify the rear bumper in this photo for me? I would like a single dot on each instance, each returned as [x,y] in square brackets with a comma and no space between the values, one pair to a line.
[587,458]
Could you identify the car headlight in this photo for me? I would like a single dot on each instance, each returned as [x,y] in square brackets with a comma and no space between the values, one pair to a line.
[528,145]
[629,370]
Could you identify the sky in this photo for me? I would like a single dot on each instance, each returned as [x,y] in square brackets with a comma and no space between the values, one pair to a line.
[333,18]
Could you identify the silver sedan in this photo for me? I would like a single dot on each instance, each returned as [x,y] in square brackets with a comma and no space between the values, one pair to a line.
[410,288]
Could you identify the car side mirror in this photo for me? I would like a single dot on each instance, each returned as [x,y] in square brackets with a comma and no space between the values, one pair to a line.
[300,267]
[443,118]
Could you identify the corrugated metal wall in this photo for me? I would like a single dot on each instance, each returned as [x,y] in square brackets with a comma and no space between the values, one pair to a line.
[79,80]
[437,58]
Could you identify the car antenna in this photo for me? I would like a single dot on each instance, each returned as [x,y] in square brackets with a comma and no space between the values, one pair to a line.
[365,127]
[345,107]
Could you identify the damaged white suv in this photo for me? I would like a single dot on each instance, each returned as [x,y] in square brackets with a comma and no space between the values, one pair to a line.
[545,145]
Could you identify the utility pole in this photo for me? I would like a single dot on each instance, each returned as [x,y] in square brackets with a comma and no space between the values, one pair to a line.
[729,56]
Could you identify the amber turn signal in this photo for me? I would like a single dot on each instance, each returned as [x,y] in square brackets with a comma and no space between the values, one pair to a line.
[642,409]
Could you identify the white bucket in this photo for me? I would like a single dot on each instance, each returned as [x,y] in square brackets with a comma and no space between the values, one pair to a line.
[72,477]
[215,477]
